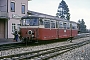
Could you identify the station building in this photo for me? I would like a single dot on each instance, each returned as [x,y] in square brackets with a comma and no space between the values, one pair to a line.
[11,12]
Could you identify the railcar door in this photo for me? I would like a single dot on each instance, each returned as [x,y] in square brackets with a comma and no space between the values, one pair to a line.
[57,26]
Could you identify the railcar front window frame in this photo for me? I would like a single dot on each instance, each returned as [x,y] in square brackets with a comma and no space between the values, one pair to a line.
[23,22]
[27,22]
[30,22]
[34,22]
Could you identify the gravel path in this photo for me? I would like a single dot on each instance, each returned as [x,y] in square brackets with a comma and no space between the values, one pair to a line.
[81,53]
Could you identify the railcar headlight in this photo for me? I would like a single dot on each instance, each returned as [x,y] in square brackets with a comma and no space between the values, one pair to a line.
[29,32]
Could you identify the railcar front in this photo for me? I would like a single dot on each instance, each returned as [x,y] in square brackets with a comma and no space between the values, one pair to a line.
[30,28]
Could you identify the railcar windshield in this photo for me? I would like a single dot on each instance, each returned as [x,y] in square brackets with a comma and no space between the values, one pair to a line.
[34,22]
[30,22]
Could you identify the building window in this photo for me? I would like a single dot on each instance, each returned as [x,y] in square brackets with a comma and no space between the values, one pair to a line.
[12,7]
[13,27]
[23,9]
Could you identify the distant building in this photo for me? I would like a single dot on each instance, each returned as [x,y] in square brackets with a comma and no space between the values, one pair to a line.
[11,12]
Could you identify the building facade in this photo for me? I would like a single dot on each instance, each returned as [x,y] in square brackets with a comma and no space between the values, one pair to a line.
[11,12]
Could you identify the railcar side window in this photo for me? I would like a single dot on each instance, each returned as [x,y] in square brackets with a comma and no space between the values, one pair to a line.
[68,25]
[34,22]
[40,21]
[65,25]
[74,26]
[60,24]
[52,24]
[47,23]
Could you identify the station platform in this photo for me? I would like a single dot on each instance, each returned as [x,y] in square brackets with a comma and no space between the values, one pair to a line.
[8,41]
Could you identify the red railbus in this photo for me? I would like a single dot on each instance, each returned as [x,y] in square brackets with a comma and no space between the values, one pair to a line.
[46,27]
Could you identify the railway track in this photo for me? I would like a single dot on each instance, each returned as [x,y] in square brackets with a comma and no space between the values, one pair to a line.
[19,45]
[11,46]
[45,54]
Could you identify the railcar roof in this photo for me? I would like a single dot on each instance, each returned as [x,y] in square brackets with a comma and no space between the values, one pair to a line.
[41,15]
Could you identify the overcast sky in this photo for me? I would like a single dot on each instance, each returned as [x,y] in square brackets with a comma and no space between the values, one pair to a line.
[79,9]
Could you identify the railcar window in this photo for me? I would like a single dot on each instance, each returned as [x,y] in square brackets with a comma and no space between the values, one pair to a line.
[27,22]
[34,22]
[23,22]
[60,24]
[30,22]
[65,25]
[74,26]
[52,24]
[40,21]
[68,25]
[47,23]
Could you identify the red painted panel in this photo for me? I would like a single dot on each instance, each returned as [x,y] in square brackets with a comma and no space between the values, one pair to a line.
[74,32]
[24,32]
[48,34]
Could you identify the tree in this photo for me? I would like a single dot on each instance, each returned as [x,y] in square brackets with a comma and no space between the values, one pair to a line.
[82,26]
[63,11]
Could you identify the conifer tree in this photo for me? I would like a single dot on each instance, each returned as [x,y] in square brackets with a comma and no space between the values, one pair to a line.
[63,11]
[82,26]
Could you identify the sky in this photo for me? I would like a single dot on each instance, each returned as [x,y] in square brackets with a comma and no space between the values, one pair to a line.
[79,9]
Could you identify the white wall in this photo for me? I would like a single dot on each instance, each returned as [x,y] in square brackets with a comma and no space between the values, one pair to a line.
[3,5]
[10,26]
[18,4]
